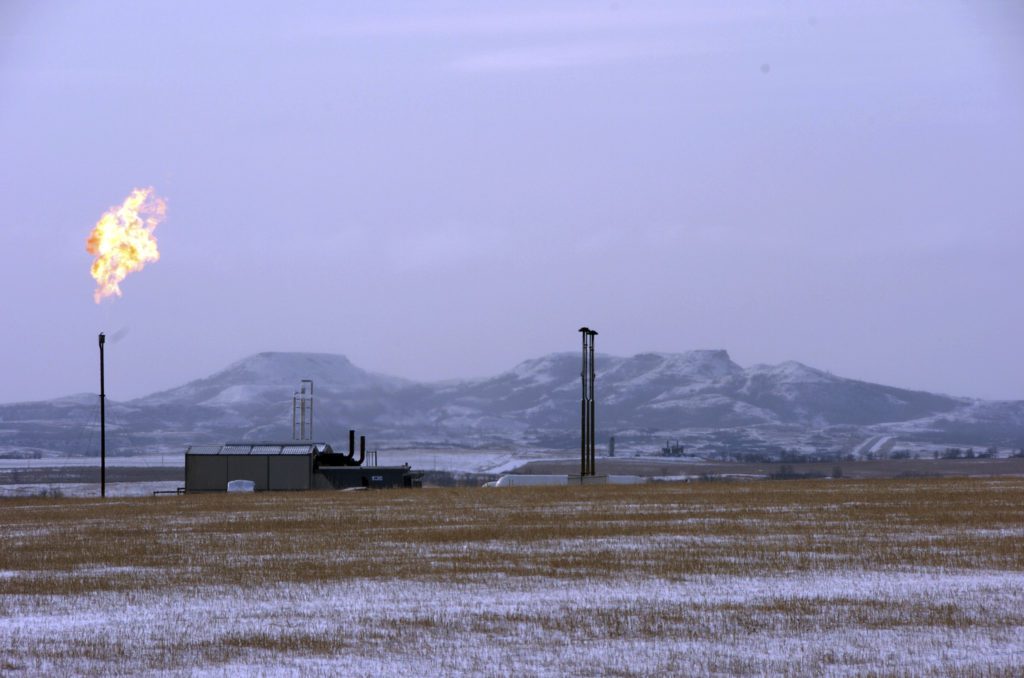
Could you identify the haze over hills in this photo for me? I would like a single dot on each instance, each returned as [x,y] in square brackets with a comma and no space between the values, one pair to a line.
[700,397]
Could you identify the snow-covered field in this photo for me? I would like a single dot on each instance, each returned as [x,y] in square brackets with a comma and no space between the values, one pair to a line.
[134,489]
[456,460]
[451,460]
[169,459]
[32,477]
[846,624]
[465,461]
[921,577]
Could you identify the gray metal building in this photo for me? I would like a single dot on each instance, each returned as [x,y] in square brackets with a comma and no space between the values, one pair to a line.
[286,466]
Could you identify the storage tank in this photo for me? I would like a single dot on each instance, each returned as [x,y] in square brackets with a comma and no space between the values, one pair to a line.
[516,480]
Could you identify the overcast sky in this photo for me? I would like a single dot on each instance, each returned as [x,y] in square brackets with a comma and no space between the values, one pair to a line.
[444,190]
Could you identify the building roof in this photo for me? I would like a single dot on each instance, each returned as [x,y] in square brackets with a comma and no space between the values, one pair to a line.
[288,448]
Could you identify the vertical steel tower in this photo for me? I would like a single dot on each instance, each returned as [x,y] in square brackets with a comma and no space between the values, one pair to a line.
[587,375]
[300,430]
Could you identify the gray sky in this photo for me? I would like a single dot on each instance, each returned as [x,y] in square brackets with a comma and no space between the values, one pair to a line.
[443,190]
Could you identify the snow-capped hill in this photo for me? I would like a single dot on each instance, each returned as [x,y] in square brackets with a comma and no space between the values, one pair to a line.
[803,395]
[76,400]
[282,367]
[264,376]
[325,369]
[245,394]
[538,383]
[646,369]
[643,398]
[706,364]
[976,420]
[548,369]
[789,372]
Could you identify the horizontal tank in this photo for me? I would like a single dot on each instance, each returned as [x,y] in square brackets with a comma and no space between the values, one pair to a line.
[626,480]
[530,480]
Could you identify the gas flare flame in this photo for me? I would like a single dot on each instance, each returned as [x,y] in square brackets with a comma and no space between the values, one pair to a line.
[123,242]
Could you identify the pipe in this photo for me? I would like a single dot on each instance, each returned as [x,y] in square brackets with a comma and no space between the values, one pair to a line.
[351,443]
[103,424]
[306,435]
[362,450]
[590,455]
[593,377]
[584,410]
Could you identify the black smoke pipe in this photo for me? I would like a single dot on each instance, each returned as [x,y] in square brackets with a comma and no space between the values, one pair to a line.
[351,444]
[362,450]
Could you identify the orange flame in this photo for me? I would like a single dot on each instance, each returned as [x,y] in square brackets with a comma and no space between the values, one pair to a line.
[123,241]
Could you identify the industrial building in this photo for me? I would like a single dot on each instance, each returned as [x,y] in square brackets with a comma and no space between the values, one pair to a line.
[293,465]
[298,464]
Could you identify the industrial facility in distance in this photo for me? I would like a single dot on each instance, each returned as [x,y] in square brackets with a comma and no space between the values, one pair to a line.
[298,464]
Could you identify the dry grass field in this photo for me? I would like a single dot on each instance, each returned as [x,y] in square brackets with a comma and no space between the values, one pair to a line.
[877,577]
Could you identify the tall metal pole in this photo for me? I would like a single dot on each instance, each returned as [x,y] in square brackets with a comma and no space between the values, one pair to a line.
[584,409]
[103,424]
[310,382]
[295,405]
[593,375]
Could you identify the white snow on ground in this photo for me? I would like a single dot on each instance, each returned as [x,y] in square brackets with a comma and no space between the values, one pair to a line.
[133,489]
[790,372]
[877,447]
[176,458]
[244,394]
[465,461]
[872,445]
[456,461]
[863,448]
[536,372]
[510,464]
[812,615]
[518,626]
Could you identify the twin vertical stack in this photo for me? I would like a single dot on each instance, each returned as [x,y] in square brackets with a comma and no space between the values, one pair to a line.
[587,374]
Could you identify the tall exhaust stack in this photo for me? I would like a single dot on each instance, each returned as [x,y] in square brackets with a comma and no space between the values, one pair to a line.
[584,409]
[587,430]
[103,424]
[593,375]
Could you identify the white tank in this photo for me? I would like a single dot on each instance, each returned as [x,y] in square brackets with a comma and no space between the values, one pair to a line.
[530,480]
[241,486]
[626,480]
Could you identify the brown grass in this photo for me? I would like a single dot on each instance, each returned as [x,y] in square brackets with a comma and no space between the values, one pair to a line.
[174,546]
[675,531]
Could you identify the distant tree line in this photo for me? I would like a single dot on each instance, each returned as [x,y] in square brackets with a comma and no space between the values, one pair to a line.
[969,453]
[791,457]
